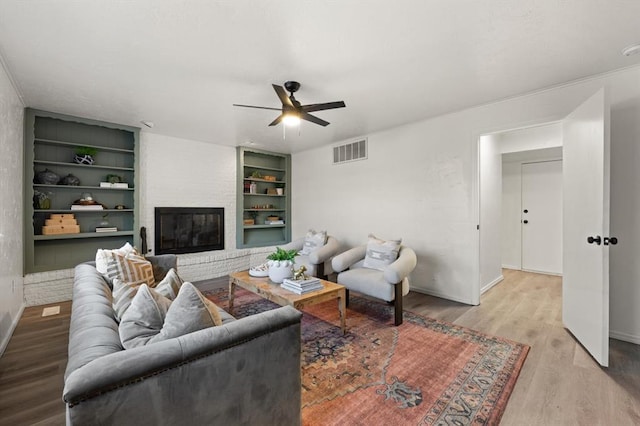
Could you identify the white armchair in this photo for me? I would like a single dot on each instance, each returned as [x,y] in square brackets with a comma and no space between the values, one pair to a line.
[390,285]
[318,262]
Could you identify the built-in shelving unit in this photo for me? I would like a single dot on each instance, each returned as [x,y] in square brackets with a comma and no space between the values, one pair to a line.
[256,200]
[50,143]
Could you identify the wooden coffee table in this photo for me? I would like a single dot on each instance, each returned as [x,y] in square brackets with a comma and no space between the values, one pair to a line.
[269,290]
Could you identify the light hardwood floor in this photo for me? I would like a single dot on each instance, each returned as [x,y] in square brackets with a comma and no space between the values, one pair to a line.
[559,383]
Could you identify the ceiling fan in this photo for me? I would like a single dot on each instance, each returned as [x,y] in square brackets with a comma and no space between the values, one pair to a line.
[292,111]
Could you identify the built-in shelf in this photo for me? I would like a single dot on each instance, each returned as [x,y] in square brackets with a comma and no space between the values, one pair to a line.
[51,141]
[278,166]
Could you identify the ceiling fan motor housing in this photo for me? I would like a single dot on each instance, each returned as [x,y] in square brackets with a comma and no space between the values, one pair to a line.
[291,86]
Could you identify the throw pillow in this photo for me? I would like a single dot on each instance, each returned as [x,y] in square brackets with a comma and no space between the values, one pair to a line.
[124,292]
[170,284]
[313,241]
[381,253]
[144,318]
[130,268]
[103,255]
[190,312]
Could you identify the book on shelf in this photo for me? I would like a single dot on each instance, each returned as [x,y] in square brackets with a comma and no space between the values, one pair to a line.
[86,207]
[106,229]
[120,185]
[274,222]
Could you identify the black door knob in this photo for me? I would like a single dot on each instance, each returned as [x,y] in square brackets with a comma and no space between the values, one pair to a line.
[526,211]
[525,221]
[610,240]
[595,239]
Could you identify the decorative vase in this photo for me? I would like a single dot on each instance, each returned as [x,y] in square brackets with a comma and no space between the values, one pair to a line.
[46,177]
[83,159]
[279,270]
[70,180]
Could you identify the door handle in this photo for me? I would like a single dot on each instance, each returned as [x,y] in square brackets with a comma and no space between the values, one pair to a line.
[595,239]
[610,240]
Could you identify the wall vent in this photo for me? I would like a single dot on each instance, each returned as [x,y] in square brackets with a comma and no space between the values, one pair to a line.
[351,151]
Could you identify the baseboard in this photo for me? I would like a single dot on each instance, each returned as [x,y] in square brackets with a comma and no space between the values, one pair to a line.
[515,268]
[625,337]
[491,284]
[555,274]
[441,295]
[14,324]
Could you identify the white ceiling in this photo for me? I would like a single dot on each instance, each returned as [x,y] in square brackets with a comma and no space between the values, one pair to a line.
[182,64]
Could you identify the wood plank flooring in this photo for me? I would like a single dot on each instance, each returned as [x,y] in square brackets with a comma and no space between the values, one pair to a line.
[559,384]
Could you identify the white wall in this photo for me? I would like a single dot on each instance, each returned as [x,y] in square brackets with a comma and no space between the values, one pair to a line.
[530,138]
[11,218]
[490,211]
[420,183]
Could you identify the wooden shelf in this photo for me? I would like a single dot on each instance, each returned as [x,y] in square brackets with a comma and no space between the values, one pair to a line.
[264,226]
[271,169]
[93,166]
[76,145]
[91,188]
[81,235]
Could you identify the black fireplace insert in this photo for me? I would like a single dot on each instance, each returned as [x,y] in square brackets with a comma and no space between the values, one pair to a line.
[180,230]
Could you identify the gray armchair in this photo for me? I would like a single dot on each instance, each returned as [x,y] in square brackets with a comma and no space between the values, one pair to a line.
[318,263]
[389,285]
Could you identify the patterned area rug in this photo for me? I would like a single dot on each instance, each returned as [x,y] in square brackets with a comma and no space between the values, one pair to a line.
[423,372]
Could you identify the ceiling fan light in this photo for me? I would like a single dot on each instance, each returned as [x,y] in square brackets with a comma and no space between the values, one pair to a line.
[291,119]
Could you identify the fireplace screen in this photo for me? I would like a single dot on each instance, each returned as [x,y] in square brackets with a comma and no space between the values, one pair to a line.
[188,229]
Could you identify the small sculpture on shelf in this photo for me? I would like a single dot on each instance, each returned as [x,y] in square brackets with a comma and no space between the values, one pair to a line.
[70,180]
[41,200]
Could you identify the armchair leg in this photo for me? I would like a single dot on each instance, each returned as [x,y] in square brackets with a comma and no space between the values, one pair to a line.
[397,303]
[320,271]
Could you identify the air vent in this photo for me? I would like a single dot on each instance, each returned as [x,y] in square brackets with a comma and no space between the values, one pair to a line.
[351,151]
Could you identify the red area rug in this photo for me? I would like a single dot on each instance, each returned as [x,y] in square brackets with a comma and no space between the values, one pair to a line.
[421,373]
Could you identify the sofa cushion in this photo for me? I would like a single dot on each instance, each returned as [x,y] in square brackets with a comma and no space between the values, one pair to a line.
[313,241]
[124,292]
[130,268]
[144,317]
[152,317]
[381,253]
[103,256]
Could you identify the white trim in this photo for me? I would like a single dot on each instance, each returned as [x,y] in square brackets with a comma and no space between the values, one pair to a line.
[442,296]
[491,284]
[512,267]
[625,337]
[14,324]
[555,274]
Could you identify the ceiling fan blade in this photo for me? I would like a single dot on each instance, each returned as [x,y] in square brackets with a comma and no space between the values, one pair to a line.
[313,119]
[282,95]
[320,107]
[259,107]
[277,120]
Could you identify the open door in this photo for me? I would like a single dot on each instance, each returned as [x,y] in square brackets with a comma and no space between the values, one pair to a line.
[585,283]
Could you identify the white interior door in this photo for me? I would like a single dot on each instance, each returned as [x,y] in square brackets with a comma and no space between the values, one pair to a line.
[585,283]
[541,216]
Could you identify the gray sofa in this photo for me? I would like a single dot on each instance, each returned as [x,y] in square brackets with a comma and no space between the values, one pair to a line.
[245,371]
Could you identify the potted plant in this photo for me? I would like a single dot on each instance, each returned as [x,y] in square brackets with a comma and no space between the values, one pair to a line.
[280,264]
[84,155]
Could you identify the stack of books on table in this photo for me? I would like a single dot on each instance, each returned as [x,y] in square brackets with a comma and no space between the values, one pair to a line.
[302,286]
